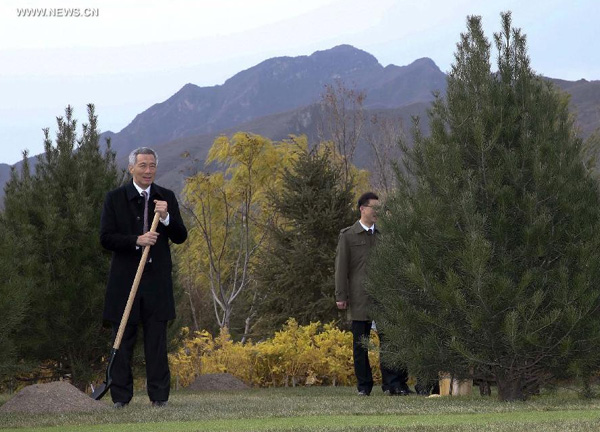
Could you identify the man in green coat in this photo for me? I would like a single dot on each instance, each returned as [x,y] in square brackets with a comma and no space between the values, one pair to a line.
[350,269]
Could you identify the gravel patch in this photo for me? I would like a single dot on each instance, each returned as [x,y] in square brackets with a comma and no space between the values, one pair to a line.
[222,381]
[54,397]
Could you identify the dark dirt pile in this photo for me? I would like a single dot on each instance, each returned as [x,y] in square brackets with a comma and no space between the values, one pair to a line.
[54,397]
[221,381]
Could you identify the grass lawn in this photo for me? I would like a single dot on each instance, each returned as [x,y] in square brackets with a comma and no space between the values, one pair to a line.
[323,409]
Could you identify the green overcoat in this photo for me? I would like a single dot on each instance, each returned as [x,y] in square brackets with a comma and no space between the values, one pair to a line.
[353,248]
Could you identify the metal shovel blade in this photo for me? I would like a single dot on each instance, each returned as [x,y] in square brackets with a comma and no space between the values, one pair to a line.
[102,389]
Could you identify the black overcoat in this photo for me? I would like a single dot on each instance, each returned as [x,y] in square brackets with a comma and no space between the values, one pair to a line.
[121,223]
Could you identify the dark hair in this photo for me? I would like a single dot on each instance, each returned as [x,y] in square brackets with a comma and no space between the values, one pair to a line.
[365,198]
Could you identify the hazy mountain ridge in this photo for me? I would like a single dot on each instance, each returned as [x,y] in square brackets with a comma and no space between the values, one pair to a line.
[305,120]
[4,175]
[584,102]
[280,96]
[278,85]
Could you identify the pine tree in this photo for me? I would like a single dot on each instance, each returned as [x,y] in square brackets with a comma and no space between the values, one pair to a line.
[489,264]
[296,269]
[13,301]
[55,214]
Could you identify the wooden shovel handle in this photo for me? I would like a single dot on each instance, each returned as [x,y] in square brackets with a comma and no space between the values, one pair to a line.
[134,287]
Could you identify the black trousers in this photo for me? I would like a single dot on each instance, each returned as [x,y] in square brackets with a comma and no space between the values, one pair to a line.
[392,380]
[158,376]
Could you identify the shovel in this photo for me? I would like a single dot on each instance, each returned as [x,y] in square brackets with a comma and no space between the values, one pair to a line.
[101,390]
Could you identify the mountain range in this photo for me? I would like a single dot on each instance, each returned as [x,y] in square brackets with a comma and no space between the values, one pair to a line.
[281,96]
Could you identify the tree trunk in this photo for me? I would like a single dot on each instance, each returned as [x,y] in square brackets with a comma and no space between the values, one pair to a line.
[193,309]
[251,314]
[510,388]
[485,388]
[227,315]
[246,329]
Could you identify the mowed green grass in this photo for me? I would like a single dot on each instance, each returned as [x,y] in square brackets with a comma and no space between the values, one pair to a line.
[323,409]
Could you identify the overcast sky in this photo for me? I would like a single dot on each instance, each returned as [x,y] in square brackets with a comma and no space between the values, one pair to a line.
[133,54]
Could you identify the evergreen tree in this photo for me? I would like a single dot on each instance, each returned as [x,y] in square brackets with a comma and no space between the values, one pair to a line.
[296,269]
[13,302]
[55,214]
[489,263]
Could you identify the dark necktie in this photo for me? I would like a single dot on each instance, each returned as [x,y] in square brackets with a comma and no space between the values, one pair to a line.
[145,195]
[370,231]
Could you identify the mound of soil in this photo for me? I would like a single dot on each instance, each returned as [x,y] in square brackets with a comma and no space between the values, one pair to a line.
[221,381]
[54,397]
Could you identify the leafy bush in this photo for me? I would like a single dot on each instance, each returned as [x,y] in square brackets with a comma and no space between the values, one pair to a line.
[314,354]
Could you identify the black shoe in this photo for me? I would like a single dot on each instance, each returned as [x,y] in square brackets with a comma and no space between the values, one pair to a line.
[396,392]
[363,393]
[427,388]
[403,390]
[119,405]
[159,404]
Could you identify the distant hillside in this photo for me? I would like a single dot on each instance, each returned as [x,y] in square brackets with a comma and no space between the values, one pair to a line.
[4,173]
[585,102]
[279,85]
[174,168]
[280,96]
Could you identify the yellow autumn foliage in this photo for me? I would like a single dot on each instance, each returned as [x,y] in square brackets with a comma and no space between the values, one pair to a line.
[314,354]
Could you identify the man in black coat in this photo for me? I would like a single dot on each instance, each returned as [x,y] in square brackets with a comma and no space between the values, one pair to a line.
[124,231]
